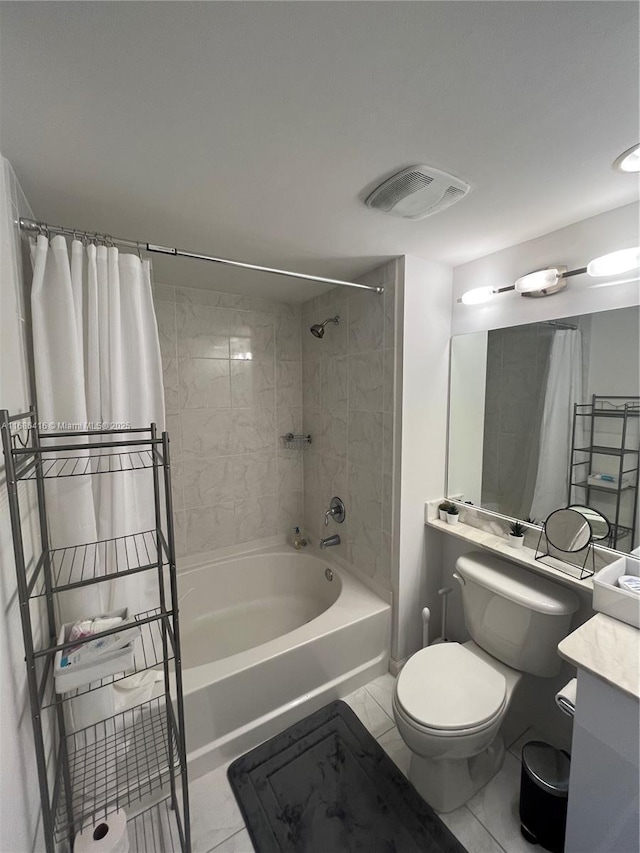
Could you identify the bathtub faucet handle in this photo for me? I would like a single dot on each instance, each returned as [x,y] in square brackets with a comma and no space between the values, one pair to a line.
[336,511]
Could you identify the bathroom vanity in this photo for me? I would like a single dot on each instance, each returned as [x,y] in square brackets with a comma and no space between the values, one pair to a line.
[604,788]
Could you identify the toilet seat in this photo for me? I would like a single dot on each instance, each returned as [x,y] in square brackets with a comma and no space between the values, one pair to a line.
[446,688]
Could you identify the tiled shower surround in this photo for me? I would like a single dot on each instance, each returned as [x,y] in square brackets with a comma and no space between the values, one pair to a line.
[232,378]
[240,372]
[348,399]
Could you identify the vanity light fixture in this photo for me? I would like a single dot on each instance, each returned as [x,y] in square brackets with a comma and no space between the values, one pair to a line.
[629,161]
[544,282]
[615,263]
[478,295]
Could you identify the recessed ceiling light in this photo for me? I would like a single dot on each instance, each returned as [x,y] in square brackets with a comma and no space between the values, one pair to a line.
[629,160]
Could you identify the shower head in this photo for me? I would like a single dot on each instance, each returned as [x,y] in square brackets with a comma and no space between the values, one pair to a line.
[318,328]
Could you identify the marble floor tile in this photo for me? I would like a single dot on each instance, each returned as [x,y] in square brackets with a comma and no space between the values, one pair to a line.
[381,689]
[215,815]
[369,712]
[496,807]
[512,729]
[238,843]
[396,749]
[470,832]
[530,734]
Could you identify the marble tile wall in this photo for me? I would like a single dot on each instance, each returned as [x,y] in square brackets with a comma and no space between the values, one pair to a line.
[348,405]
[233,384]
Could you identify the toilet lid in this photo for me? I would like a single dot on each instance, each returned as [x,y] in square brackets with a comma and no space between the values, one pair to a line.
[448,687]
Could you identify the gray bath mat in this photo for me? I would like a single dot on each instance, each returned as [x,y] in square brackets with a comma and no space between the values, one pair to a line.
[325,786]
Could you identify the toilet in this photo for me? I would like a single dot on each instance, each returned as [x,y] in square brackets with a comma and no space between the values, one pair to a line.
[450,699]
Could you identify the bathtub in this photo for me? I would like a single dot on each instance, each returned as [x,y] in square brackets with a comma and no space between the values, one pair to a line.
[267,638]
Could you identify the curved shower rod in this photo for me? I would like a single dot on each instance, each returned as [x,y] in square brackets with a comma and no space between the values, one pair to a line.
[44,228]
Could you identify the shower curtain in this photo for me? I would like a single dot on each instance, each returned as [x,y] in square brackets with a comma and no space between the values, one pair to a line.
[564,388]
[97,362]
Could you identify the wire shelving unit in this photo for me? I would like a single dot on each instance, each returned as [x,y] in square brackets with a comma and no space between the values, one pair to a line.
[137,756]
[620,505]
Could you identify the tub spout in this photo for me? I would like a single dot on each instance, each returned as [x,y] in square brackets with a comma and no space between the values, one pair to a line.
[330,540]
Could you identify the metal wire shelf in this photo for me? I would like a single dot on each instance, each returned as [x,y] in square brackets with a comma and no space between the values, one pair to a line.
[78,466]
[115,763]
[132,757]
[148,654]
[94,562]
[154,830]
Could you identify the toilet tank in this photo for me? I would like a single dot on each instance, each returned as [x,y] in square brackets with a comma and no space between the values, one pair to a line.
[515,615]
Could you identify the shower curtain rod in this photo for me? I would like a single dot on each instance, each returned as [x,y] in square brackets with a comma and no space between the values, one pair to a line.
[559,325]
[107,239]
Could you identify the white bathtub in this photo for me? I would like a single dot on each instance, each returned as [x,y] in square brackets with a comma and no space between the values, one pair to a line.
[266,640]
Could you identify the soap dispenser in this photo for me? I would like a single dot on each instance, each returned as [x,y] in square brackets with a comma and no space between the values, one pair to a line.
[298,541]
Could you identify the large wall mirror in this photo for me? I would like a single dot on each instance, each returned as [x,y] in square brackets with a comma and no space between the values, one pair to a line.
[547,415]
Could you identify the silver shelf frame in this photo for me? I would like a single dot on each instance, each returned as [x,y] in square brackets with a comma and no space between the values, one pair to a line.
[624,409]
[32,460]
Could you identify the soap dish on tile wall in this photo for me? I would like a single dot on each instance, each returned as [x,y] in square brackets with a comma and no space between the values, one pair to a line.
[292,441]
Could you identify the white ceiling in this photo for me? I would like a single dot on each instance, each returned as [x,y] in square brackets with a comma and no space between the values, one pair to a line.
[254,130]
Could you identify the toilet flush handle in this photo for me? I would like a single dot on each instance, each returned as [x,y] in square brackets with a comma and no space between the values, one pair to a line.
[460,579]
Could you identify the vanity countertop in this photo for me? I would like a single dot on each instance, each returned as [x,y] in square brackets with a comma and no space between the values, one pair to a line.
[521,556]
[608,649]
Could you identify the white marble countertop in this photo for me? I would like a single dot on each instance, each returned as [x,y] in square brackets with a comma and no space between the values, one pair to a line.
[521,556]
[608,649]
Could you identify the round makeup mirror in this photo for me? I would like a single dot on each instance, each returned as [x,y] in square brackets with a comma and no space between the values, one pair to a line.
[567,530]
[600,527]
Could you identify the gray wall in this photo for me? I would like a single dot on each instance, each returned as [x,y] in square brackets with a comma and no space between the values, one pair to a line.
[20,812]
[232,378]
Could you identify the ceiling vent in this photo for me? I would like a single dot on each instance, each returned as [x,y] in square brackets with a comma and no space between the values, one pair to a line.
[417,192]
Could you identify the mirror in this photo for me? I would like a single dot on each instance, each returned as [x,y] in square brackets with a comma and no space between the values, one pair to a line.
[567,530]
[546,415]
[600,527]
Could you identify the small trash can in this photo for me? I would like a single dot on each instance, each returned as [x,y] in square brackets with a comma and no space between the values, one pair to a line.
[544,791]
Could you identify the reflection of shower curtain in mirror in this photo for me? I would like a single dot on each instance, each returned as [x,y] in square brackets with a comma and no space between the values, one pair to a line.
[564,388]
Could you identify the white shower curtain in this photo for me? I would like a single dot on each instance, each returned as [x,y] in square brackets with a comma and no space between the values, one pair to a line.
[97,361]
[564,388]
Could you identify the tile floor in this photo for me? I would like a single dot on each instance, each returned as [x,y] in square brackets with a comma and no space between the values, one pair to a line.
[488,823]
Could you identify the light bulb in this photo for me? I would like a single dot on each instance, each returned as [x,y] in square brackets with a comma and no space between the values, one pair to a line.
[629,160]
[536,281]
[477,296]
[615,262]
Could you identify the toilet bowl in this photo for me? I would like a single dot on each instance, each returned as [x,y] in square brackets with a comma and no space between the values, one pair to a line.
[451,699]
[452,732]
